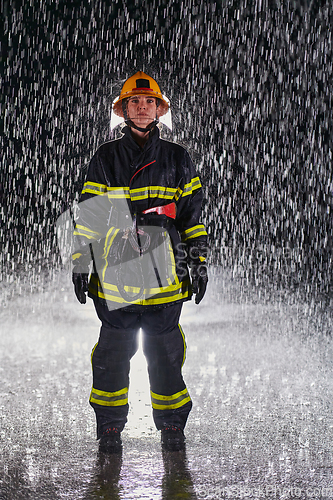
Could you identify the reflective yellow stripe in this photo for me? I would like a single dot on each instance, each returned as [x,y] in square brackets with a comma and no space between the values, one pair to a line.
[76,256]
[92,352]
[178,194]
[86,232]
[161,402]
[144,192]
[94,188]
[153,192]
[102,190]
[98,292]
[145,302]
[118,398]
[172,267]
[181,331]
[85,228]
[111,234]
[89,237]
[199,233]
[194,232]
[192,186]
[157,295]
[118,193]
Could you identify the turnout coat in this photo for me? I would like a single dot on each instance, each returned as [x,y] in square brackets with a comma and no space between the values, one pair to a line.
[139,260]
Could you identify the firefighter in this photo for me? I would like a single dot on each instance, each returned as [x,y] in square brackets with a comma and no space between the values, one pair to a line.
[137,234]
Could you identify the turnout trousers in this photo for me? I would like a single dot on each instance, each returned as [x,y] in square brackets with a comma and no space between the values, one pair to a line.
[164,348]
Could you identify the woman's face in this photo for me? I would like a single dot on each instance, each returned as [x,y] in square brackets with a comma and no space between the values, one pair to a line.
[141,109]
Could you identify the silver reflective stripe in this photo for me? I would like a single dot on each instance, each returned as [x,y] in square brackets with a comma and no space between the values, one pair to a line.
[107,398]
[94,188]
[104,398]
[192,186]
[194,232]
[169,403]
[160,402]
[154,295]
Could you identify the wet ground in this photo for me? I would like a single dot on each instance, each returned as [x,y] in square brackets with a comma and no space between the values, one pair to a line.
[259,374]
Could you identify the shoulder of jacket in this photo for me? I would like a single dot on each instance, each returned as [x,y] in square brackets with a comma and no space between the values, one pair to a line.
[173,146]
[102,156]
[107,146]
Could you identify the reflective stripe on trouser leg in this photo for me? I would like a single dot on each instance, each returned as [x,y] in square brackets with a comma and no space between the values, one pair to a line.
[165,354]
[111,364]
[184,342]
[161,402]
[103,398]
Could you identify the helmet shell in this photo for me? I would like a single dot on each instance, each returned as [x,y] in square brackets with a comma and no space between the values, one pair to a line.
[140,84]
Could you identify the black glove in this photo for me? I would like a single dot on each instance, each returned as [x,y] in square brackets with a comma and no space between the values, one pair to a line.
[199,281]
[197,254]
[80,278]
[80,281]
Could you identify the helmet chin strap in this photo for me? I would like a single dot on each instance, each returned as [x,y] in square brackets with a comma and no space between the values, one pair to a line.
[141,129]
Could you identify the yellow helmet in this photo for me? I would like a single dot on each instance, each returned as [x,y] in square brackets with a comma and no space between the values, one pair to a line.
[140,84]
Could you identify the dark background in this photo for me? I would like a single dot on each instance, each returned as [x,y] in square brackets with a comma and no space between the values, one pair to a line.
[250,85]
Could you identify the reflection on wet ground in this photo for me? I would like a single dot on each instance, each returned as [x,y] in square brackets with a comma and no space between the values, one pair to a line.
[114,480]
[260,376]
[105,477]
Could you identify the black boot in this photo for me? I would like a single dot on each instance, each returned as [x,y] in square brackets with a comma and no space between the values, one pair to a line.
[110,441]
[173,438]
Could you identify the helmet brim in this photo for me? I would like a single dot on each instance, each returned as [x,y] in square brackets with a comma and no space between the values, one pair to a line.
[162,109]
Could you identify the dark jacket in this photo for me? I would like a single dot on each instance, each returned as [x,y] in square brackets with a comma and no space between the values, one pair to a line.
[139,259]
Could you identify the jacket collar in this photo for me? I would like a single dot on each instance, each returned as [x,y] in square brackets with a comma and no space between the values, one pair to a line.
[130,143]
